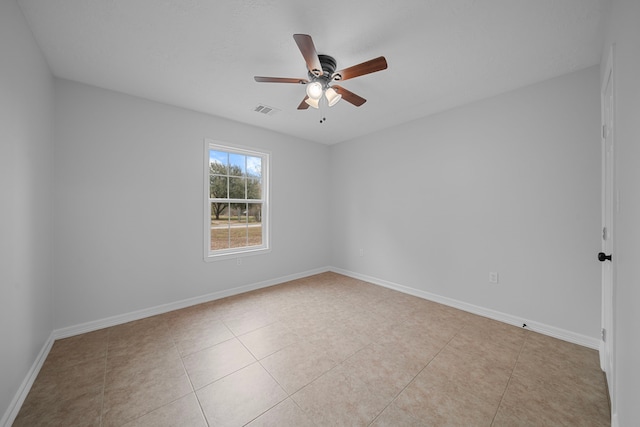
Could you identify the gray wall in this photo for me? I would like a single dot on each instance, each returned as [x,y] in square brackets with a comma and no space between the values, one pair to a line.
[624,32]
[129,205]
[509,185]
[26,172]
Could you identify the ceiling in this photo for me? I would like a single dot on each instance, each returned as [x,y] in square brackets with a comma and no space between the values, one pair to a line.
[203,54]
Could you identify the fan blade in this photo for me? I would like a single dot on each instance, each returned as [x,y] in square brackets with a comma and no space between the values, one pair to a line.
[349,96]
[368,67]
[280,80]
[308,50]
[303,105]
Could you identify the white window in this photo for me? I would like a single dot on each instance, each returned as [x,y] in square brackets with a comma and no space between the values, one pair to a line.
[236,201]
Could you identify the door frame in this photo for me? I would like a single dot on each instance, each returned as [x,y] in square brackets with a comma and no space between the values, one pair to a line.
[607,344]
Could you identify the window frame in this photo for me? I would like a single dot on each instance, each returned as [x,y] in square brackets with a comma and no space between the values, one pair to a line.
[222,254]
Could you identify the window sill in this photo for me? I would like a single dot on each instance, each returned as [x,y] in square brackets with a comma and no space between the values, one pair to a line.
[236,254]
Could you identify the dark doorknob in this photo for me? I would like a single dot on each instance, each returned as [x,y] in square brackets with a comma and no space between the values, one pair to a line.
[602,257]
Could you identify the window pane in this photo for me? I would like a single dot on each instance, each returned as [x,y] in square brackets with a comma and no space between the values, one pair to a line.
[220,238]
[245,213]
[218,157]
[254,189]
[254,167]
[238,236]
[254,232]
[220,235]
[238,225]
[218,187]
[237,164]
[237,213]
[255,213]
[218,169]
[219,213]
[237,188]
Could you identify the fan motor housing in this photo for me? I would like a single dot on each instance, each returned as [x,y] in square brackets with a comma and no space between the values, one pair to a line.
[328,64]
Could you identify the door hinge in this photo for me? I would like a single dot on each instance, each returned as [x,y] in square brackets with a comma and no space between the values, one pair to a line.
[604,131]
[603,333]
[604,233]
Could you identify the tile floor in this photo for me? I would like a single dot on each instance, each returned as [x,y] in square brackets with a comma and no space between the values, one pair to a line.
[326,350]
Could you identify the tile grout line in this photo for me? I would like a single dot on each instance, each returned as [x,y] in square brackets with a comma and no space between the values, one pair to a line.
[175,346]
[290,395]
[510,376]
[237,337]
[104,378]
[257,361]
[193,389]
[416,376]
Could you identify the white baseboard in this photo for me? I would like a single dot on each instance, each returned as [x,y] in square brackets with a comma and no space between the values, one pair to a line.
[552,331]
[14,407]
[165,308]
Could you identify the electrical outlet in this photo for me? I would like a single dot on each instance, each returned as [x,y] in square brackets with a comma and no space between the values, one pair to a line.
[238,261]
[493,277]
[361,252]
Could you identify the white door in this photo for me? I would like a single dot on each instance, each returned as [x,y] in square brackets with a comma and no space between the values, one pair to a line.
[608,201]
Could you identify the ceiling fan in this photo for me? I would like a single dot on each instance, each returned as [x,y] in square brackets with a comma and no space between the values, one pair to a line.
[322,73]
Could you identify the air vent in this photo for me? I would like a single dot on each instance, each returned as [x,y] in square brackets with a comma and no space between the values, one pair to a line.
[265,109]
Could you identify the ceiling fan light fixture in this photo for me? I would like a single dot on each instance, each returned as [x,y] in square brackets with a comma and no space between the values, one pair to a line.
[314,91]
[312,102]
[321,71]
[332,96]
